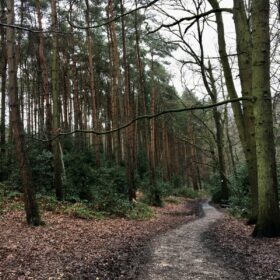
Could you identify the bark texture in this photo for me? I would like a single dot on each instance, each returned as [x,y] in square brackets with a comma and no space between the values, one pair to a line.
[244,50]
[31,208]
[3,69]
[268,223]
[244,117]
[57,157]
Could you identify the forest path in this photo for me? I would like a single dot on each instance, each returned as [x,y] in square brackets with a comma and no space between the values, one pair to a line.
[183,253]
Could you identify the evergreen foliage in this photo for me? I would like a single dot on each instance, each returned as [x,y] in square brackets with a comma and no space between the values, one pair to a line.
[90,73]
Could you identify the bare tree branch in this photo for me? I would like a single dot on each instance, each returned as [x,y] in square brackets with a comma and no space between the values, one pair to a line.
[202,107]
[206,152]
[193,18]
[32,30]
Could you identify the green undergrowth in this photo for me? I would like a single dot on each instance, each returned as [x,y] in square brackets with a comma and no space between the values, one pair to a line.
[102,193]
[239,200]
[82,209]
[78,209]
[88,210]
[164,191]
[10,201]
[239,194]
[140,211]
[187,192]
[173,200]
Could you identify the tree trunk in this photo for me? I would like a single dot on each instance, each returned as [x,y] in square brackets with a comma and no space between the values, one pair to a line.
[57,157]
[129,132]
[152,151]
[31,208]
[3,69]
[231,155]
[219,138]
[143,126]
[212,92]
[115,85]
[193,162]
[44,73]
[78,123]
[244,49]
[155,197]
[245,116]
[93,90]
[65,88]
[268,223]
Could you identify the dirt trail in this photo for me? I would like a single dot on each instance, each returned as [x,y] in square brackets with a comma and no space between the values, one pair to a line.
[182,254]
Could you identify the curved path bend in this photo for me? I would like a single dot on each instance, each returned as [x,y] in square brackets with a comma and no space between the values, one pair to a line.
[182,254]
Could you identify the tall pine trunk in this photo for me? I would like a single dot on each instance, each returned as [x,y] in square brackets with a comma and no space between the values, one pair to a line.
[116,97]
[31,208]
[93,91]
[56,147]
[3,69]
[44,73]
[129,132]
[155,196]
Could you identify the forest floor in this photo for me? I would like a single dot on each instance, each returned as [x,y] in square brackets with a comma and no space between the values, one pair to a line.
[230,241]
[215,246]
[174,244]
[72,248]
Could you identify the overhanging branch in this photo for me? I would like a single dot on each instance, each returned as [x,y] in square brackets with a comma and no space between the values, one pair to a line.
[193,108]
[35,31]
[109,20]
[32,30]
